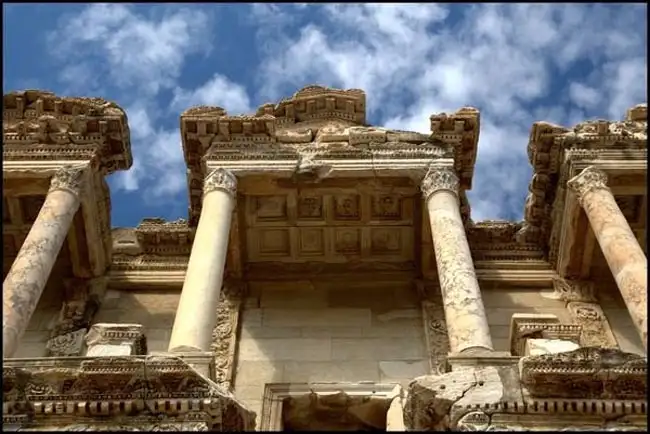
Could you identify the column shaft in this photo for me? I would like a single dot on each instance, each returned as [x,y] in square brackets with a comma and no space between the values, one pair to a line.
[197,308]
[620,247]
[24,284]
[467,324]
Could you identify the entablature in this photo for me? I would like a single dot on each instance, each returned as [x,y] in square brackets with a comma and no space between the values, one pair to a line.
[551,147]
[316,133]
[38,126]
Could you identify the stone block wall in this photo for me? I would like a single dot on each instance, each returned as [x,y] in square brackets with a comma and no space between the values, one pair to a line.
[302,332]
[154,309]
[502,303]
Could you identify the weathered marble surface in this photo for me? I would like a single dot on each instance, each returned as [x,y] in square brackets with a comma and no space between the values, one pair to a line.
[195,316]
[464,311]
[28,275]
[620,247]
[108,339]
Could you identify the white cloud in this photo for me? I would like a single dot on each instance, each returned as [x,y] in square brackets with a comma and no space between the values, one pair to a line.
[416,60]
[218,91]
[134,50]
[112,46]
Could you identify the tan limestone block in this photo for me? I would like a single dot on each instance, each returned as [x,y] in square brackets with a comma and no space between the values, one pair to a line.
[302,349]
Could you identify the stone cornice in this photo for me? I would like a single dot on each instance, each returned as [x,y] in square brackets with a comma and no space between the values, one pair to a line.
[550,146]
[319,131]
[39,125]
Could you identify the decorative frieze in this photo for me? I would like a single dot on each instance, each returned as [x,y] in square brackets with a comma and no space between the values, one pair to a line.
[118,393]
[586,373]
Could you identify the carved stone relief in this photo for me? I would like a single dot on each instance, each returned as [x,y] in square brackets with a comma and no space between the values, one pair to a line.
[435,329]
[573,290]
[224,334]
[83,298]
[347,207]
[596,331]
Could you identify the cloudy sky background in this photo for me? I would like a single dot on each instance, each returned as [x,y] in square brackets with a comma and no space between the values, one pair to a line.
[516,63]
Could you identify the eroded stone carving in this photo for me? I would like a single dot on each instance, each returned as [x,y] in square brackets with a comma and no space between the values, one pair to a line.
[106,339]
[140,393]
[591,372]
[439,178]
[220,179]
[83,297]
[573,290]
[595,327]
[435,331]
[589,179]
[224,335]
[524,327]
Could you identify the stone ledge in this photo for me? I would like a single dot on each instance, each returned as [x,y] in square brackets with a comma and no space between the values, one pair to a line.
[139,390]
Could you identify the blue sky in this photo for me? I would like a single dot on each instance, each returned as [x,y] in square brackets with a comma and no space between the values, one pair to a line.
[516,63]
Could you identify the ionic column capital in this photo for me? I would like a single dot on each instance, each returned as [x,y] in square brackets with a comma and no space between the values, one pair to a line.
[220,179]
[70,179]
[589,179]
[439,178]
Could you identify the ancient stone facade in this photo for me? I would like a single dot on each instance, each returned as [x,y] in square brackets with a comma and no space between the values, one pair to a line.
[329,276]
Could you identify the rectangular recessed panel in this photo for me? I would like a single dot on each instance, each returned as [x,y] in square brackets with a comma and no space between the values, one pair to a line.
[273,242]
[312,242]
[270,208]
[347,241]
[386,241]
[386,207]
[347,207]
[310,207]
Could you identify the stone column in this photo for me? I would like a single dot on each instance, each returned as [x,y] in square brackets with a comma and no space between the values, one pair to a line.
[197,309]
[620,247]
[28,275]
[467,324]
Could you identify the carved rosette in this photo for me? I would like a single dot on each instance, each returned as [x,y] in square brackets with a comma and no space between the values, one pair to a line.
[70,179]
[589,179]
[439,178]
[220,179]
[596,331]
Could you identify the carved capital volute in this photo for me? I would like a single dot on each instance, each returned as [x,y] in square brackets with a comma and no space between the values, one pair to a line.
[70,179]
[439,178]
[220,179]
[589,179]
